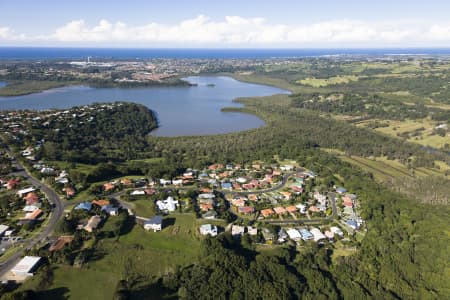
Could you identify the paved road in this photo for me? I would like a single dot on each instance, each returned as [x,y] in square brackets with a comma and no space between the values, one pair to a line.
[55,215]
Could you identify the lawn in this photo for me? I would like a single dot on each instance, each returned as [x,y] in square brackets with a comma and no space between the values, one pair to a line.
[138,254]
[144,207]
[316,82]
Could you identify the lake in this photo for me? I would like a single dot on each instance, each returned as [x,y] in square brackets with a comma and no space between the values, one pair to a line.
[183,110]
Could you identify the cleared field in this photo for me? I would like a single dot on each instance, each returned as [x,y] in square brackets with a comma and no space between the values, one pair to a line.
[137,254]
[424,129]
[316,82]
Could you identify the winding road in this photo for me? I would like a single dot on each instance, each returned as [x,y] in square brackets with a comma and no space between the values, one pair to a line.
[56,214]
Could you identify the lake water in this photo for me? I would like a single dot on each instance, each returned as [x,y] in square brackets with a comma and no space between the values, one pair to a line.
[2,84]
[181,110]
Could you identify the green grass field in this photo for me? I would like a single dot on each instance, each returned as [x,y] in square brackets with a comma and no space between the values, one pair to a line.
[138,253]
[315,82]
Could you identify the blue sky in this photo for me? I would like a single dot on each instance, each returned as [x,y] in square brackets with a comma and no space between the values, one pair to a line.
[244,23]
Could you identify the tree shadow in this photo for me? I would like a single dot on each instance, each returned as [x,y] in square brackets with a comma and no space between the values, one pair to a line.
[168,222]
[61,293]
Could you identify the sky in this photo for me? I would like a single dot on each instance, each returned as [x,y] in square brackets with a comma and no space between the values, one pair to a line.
[226,23]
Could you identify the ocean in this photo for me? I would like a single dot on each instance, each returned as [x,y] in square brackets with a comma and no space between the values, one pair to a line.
[24,53]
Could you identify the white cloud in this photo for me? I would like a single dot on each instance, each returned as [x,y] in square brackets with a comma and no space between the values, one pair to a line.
[251,32]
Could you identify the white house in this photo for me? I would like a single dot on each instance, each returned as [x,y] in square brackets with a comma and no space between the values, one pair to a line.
[23,192]
[154,224]
[137,193]
[177,182]
[252,230]
[165,181]
[3,229]
[301,208]
[317,234]
[26,266]
[206,229]
[237,230]
[294,234]
[167,205]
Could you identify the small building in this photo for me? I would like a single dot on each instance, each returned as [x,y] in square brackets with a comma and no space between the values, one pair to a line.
[302,208]
[294,234]
[26,266]
[3,229]
[61,242]
[352,223]
[33,215]
[341,190]
[246,210]
[237,230]
[337,231]
[280,210]
[227,186]
[306,235]
[93,223]
[110,210]
[206,229]
[282,235]
[268,235]
[252,230]
[87,206]
[267,212]
[24,192]
[209,215]
[100,203]
[317,234]
[169,204]
[154,224]
[137,193]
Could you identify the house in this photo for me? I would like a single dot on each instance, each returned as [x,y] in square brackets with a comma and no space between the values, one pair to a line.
[302,208]
[294,234]
[61,242]
[286,195]
[336,231]
[154,224]
[227,186]
[329,234]
[246,210]
[267,212]
[241,180]
[280,210]
[177,182]
[30,208]
[317,234]
[48,171]
[206,206]
[297,189]
[126,182]
[26,266]
[110,210]
[237,230]
[164,182]
[169,204]
[209,215]
[314,209]
[306,235]
[33,215]
[137,193]
[150,191]
[287,168]
[101,202]
[268,235]
[12,184]
[282,235]
[92,223]
[206,195]
[206,229]
[108,187]
[31,198]
[341,190]
[3,229]
[291,209]
[24,192]
[70,192]
[252,230]
[352,223]
[238,202]
[87,206]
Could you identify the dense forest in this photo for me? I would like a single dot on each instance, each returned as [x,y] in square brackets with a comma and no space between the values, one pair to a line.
[114,134]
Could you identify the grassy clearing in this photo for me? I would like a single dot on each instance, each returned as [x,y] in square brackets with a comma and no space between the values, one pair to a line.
[315,82]
[144,208]
[341,250]
[424,127]
[17,88]
[137,253]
